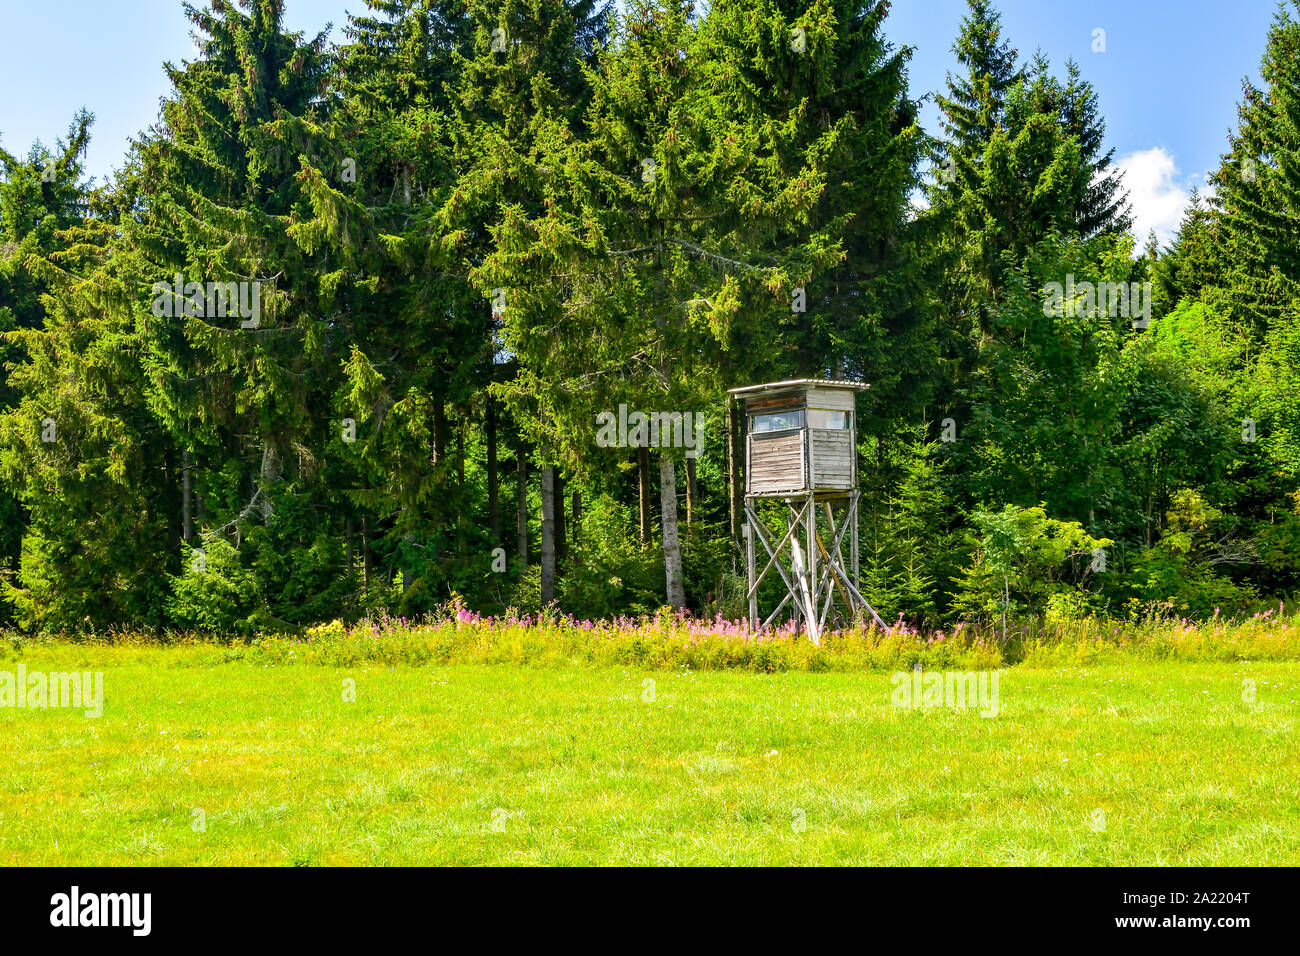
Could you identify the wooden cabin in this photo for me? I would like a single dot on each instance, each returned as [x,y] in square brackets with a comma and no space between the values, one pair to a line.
[800,438]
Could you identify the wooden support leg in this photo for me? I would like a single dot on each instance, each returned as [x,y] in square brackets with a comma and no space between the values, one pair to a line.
[810,570]
[752,589]
[852,519]
[774,554]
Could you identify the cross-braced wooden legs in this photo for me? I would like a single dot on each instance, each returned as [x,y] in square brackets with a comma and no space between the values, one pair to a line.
[814,575]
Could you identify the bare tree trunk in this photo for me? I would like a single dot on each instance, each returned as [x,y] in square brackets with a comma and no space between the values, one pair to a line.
[349,536]
[439,433]
[1006,601]
[270,469]
[436,504]
[692,492]
[557,508]
[493,473]
[576,525]
[676,590]
[461,517]
[187,503]
[367,555]
[269,472]
[460,454]
[735,489]
[521,503]
[643,485]
[548,533]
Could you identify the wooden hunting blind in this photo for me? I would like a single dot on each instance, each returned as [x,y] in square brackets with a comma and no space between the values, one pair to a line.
[800,437]
[801,448]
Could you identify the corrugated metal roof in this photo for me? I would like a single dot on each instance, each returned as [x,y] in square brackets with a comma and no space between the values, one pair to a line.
[795,382]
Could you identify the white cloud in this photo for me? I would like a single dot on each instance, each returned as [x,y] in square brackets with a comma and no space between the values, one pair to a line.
[1157,191]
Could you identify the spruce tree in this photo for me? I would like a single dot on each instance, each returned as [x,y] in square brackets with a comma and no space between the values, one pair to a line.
[824,77]
[675,231]
[976,102]
[1024,156]
[242,392]
[42,196]
[93,468]
[1257,186]
[1257,224]
[1104,207]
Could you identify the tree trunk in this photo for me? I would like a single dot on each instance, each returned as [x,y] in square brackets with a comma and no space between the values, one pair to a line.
[521,504]
[643,485]
[735,487]
[367,555]
[437,508]
[676,591]
[557,508]
[461,518]
[351,551]
[548,533]
[270,469]
[269,472]
[692,492]
[187,503]
[460,454]
[493,477]
[439,433]
[1006,601]
[576,526]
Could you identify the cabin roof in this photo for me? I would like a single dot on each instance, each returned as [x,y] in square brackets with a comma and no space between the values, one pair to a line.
[753,390]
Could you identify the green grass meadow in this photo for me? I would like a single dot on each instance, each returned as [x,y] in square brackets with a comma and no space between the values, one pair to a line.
[205,758]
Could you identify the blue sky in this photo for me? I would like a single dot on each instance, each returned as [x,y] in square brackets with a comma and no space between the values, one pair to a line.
[1169,79]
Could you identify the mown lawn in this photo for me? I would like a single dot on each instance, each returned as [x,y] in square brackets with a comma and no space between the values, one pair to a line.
[502,764]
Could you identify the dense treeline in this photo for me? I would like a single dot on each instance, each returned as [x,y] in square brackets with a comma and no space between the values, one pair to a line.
[336,335]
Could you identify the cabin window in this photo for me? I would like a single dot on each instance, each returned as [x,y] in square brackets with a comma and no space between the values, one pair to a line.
[776,421]
[821,418]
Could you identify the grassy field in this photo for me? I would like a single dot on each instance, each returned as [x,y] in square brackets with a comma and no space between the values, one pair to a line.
[509,764]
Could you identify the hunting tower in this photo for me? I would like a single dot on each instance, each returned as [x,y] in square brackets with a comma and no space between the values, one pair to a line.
[801,449]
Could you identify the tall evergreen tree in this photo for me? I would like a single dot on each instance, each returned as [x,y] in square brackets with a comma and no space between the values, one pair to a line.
[242,393]
[1194,266]
[93,468]
[42,196]
[976,102]
[651,260]
[826,74]
[1104,207]
[414,336]
[1258,199]
[1257,186]
[1024,157]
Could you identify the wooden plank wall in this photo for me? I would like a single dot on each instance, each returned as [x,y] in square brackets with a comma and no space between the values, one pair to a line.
[776,464]
[832,455]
